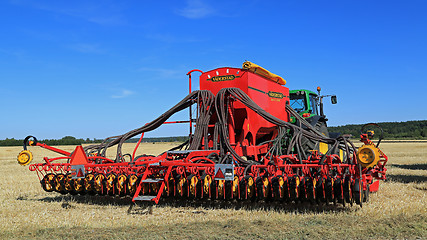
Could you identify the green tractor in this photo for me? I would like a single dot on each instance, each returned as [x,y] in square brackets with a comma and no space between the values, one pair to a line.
[310,106]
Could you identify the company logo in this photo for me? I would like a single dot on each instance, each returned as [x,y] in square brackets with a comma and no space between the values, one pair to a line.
[223,78]
[276,95]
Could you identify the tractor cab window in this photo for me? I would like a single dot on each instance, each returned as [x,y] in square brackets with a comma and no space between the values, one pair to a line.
[298,101]
[313,104]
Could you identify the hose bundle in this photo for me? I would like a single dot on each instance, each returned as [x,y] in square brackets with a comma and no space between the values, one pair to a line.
[287,141]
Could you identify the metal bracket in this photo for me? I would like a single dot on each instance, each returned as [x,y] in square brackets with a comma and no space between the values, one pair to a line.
[78,171]
[224,172]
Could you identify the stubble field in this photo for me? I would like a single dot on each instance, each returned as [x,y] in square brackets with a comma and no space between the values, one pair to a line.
[397,211]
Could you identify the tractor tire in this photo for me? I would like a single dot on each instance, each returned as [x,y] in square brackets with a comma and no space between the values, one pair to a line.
[308,145]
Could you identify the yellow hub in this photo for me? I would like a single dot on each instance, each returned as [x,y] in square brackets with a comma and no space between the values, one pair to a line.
[235,187]
[250,187]
[110,181]
[97,185]
[121,183]
[281,183]
[24,157]
[59,178]
[207,185]
[193,185]
[78,184]
[169,187]
[297,182]
[266,187]
[180,186]
[221,184]
[132,184]
[88,179]
[368,155]
[68,183]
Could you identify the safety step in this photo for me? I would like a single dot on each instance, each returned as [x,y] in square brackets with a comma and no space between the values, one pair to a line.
[152,180]
[155,164]
[144,198]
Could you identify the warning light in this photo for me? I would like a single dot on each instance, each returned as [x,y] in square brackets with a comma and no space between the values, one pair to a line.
[219,174]
[80,173]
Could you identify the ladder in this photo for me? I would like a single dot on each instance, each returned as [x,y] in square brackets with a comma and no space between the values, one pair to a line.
[144,179]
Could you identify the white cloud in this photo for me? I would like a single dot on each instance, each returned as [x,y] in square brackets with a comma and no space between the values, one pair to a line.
[196,9]
[123,93]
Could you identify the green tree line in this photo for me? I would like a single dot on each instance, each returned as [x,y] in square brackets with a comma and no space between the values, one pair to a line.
[392,130]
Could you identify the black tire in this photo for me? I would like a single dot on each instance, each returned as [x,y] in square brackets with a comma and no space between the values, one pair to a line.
[366,194]
[308,144]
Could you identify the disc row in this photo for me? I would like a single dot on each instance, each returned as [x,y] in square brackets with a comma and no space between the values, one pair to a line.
[278,188]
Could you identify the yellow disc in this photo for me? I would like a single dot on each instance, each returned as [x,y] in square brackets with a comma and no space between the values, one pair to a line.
[220,187]
[132,184]
[206,185]
[87,182]
[193,184]
[98,182]
[250,187]
[235,187]
[368,155]
[121,180]
[180,186]
[78,184]
[25,157]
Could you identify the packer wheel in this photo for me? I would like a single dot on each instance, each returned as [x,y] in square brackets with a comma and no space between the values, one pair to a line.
[99,184]
[88,183]
[206,186]
[78,185]
[193,183]
[236,188]
[132,184]
[110,182]
[366,194]
[358,191]
[48,183]
[250,188]
[121,184]
[220,185]
[59,183]
[347,191]
[68,184]
[181,187]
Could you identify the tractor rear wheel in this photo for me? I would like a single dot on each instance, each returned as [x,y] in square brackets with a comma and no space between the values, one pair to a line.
[308,144]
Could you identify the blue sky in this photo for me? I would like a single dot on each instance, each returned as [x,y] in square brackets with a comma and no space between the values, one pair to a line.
[93,69]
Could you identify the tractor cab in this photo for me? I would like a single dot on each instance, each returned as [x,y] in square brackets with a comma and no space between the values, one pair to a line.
[304,102]
[309,104]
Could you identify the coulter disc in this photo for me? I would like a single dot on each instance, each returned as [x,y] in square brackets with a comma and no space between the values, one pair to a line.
[59,183]
[206,186]
[132,184]
[48,183]
[121,185]
[99,184]
[110,181]
[78,185]
[193,182]
[181,187]
[88,183]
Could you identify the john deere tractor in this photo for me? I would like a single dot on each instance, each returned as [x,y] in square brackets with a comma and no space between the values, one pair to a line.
[310,106]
